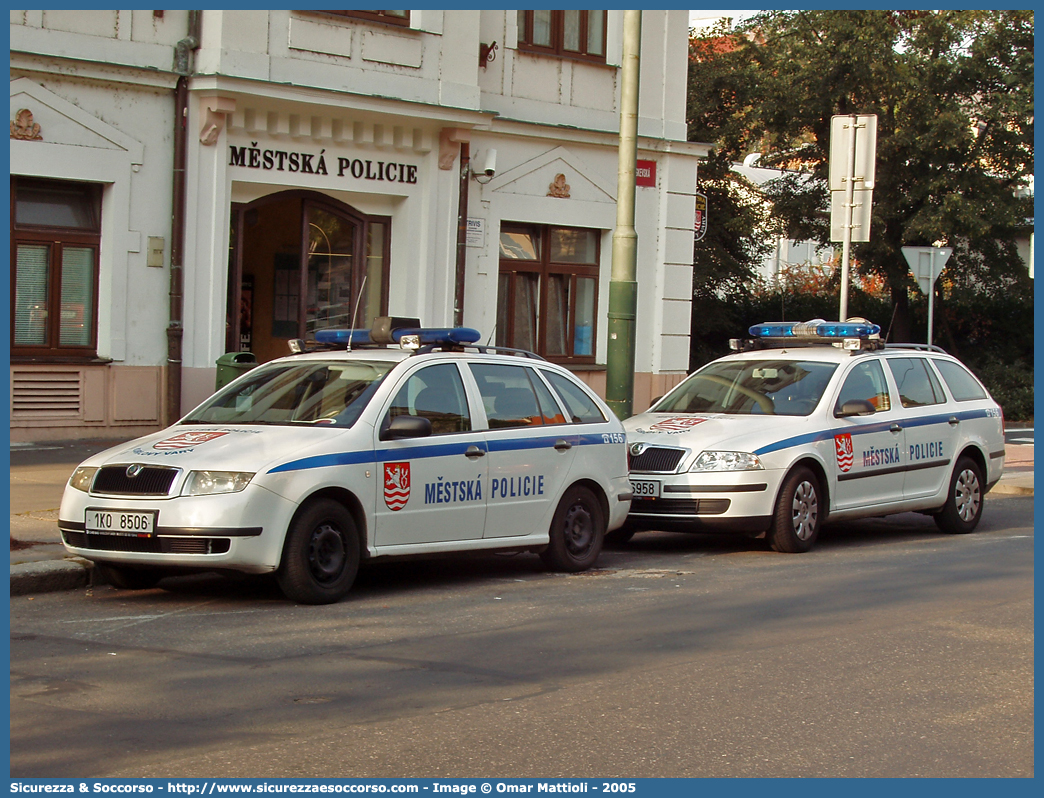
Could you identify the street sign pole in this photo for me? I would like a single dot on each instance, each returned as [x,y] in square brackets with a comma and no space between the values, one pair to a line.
[853,145]
[926,264]
[846,245]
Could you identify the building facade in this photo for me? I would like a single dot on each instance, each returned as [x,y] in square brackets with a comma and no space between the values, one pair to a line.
[186,184]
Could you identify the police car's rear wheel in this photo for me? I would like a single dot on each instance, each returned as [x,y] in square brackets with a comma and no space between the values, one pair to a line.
[795,524]
[321,554]
[963,507]
[128,578]
[577,532]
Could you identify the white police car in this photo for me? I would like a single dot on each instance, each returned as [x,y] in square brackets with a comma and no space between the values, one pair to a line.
[811,422]
[309,463]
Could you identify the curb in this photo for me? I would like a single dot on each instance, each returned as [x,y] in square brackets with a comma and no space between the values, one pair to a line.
[1011,489]
[50,576]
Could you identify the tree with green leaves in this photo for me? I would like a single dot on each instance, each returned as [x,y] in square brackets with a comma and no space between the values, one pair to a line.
[953,95]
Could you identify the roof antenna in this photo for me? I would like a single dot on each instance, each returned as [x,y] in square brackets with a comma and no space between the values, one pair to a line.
[491,334]
[355,313]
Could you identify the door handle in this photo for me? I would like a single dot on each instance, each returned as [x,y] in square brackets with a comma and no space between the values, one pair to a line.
[895,428]
[562,445]
[473,452]
[954,421]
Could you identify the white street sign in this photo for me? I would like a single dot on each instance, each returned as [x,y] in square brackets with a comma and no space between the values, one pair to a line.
[926,264]
[862,204]
[864,163]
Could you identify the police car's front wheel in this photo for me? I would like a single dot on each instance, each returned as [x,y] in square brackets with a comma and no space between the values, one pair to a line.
[963,507]
[577,532]
[321,554]
[795,524]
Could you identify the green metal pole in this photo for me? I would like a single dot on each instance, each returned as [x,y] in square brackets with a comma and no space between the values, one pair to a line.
[623,288]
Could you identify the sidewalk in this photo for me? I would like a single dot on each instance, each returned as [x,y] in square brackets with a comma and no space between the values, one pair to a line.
[39,562]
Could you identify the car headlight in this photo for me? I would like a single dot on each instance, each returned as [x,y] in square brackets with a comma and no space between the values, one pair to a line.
[205,483]
[727,461]
[82,478]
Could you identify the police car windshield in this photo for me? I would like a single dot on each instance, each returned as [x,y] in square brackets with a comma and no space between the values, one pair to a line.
[325,393]
[751,387]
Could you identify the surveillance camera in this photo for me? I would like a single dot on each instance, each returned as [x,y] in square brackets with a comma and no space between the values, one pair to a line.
[490,168]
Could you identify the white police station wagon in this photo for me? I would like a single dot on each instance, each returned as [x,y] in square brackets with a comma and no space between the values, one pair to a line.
[411,441]
[811,422]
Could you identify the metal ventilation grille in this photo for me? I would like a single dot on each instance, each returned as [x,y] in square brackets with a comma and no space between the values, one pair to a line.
[153,545]
[656,459]
[680,506]
[42,394]
[151,481]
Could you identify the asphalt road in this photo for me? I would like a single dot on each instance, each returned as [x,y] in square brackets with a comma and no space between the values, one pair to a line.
[891,650]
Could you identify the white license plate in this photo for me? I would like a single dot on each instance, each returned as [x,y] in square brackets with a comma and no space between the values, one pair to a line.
[120,522]
[645,488]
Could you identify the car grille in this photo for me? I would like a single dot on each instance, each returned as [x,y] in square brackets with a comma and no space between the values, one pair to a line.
[680,506]
[153,545]
[655,459]
[150,481]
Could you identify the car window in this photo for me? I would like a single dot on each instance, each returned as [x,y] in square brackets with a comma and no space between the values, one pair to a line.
[509,396]
[960,381]
[866,382]
[751,387]
[306,392]
[582,408]
[437,394]
[917,385]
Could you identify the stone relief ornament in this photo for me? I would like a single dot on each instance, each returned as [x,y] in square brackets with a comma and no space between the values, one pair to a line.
[24,128]
[559,188]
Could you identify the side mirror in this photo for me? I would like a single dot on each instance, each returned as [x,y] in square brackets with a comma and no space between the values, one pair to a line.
[856,407]
[406,427]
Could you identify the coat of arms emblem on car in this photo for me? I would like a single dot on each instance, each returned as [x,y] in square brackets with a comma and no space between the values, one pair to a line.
[396,485]
[843,445]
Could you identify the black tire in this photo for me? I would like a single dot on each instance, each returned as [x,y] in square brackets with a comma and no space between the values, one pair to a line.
[126,577]
[798,516]
[963,508]
[320,555]
[577,532]
[620,536]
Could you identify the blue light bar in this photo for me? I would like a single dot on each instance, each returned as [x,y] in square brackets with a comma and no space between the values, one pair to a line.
[439,336]
[347,337]
[816,328]
[426,335]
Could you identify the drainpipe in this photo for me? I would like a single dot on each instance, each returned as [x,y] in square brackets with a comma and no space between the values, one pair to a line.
[623,288]
[175,330]
[462,234]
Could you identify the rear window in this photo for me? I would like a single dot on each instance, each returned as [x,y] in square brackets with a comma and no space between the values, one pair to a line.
[960,381]
[917,384]
[582,408]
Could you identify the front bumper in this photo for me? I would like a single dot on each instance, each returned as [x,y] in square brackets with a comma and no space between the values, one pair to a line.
[739,502]
[238,531]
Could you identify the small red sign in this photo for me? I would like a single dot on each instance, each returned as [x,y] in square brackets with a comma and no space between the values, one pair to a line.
[645,173]
[682,424]
[186,440]
[396,485]
[845,451]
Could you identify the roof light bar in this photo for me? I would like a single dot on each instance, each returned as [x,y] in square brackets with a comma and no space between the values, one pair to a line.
[817,328]
[406,337]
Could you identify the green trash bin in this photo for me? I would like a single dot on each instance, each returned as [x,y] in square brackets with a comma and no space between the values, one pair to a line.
[231,364]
